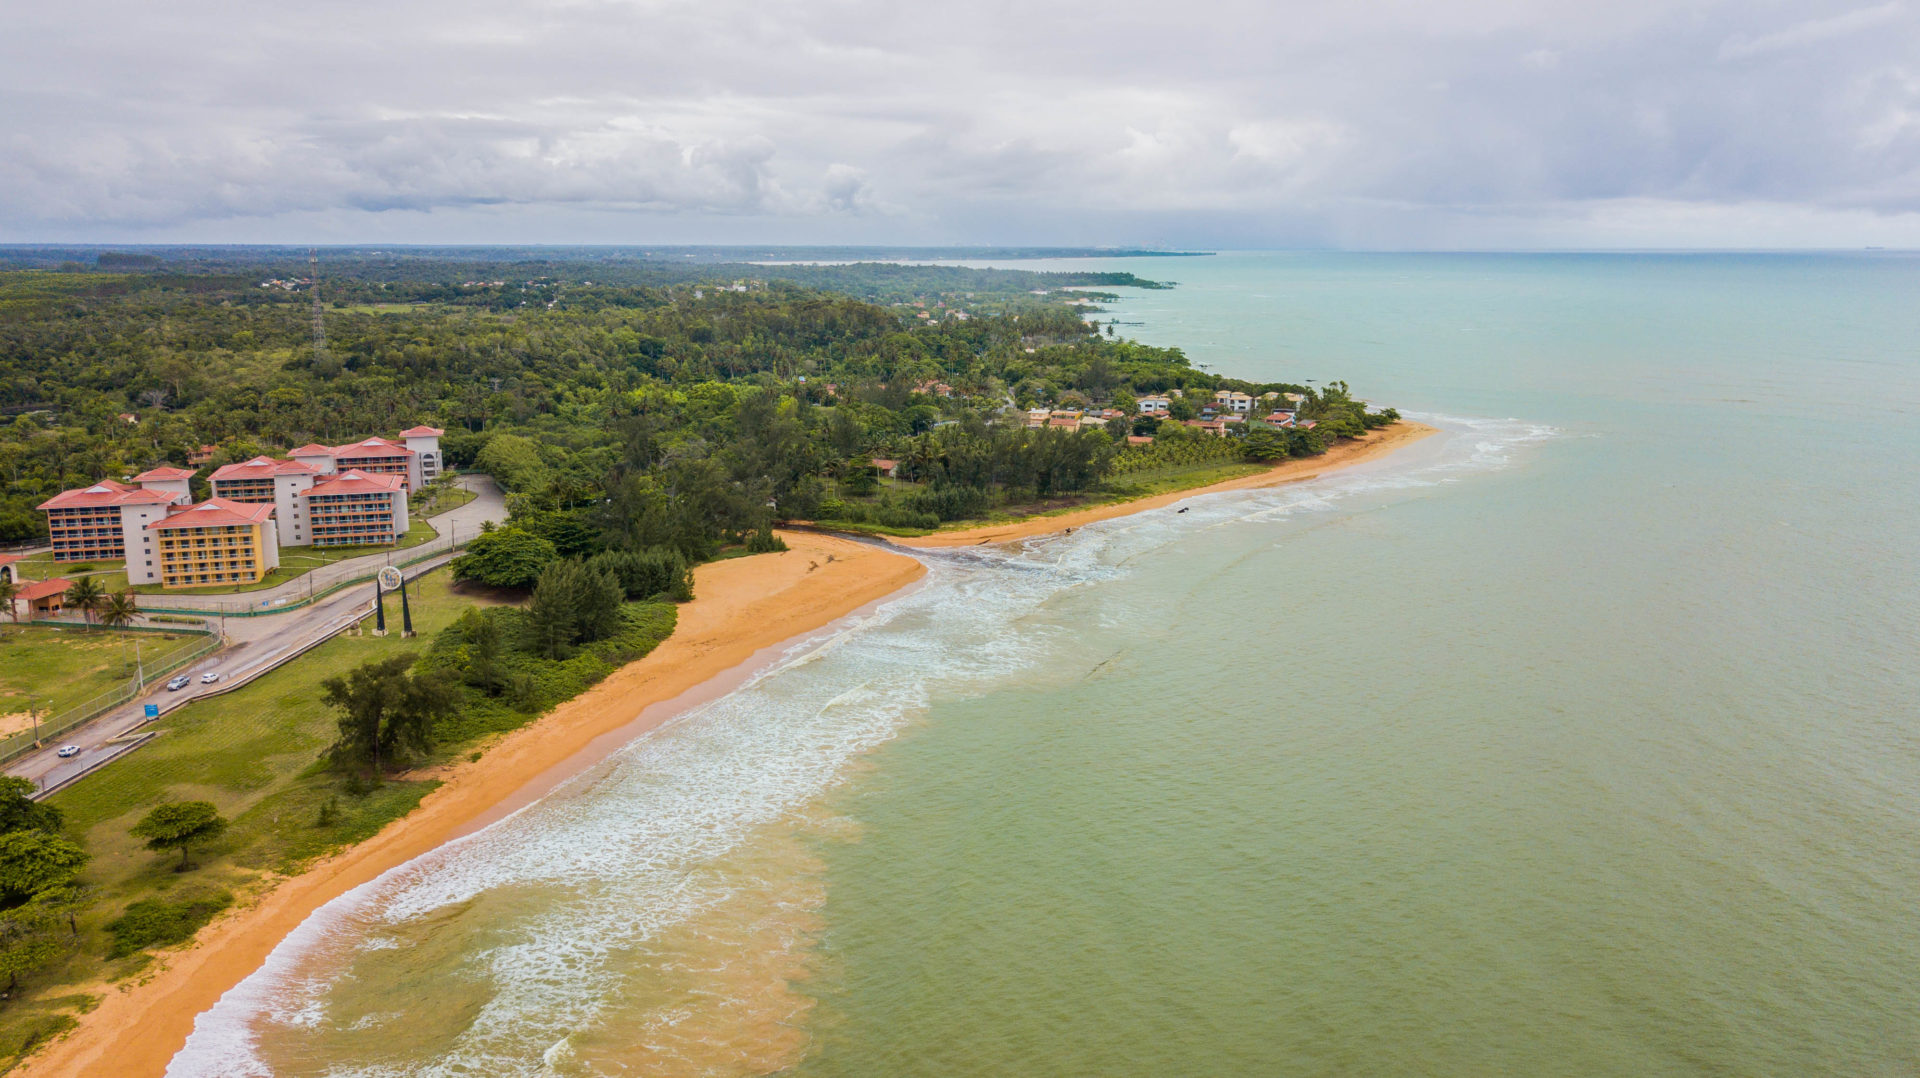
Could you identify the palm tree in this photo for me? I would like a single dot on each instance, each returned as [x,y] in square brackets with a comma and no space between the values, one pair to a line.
[85,595]
[120,610]
[8,591]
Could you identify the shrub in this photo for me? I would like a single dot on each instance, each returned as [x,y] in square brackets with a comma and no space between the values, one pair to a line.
[153,922]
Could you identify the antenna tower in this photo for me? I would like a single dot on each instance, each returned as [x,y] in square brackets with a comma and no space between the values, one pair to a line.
[319,323]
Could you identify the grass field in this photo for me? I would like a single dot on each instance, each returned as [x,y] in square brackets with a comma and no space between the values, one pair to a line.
[438,498]
[57,667]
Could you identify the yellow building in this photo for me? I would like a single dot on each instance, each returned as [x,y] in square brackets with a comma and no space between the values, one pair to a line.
[215,542]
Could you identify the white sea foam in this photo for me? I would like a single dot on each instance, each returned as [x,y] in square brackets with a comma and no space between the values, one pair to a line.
[617,854]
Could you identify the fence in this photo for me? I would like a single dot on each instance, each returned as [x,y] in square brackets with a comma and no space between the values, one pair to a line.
[23,742]
[240,606]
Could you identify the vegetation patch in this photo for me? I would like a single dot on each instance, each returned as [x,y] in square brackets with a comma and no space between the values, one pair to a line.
[155,922]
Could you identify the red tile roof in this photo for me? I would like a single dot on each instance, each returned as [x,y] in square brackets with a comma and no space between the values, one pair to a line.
[422,432]
[216,513]
[372,447]
[162,474]
[40,590]
[884,464]
[355,482]
[262,468]
[312,449]
[106,492]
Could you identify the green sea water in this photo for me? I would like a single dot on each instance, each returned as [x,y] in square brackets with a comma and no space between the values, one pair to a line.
[1580,739]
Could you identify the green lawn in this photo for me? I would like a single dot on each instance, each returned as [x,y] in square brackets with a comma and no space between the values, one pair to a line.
[438,498]
[111,574]
[58,667]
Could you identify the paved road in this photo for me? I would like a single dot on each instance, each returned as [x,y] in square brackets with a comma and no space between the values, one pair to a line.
[254,646]
[454,526]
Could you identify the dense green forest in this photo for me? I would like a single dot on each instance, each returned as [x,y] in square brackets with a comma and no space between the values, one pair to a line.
[686,414]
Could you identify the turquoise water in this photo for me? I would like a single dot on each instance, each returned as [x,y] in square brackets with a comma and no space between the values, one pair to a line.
[1579,739]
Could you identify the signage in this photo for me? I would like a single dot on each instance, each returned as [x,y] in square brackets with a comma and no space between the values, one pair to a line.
[153,711]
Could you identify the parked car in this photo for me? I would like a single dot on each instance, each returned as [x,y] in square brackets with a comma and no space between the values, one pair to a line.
[180,681]
[68,750]
[209,677]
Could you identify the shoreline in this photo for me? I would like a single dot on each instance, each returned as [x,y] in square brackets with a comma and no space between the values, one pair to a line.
[745,613]
[1377,444]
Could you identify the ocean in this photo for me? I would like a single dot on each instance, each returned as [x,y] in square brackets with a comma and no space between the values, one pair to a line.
[1579,739]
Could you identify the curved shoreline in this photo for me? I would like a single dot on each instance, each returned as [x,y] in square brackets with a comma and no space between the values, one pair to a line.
[1344,455]
[742,608]
[745,611]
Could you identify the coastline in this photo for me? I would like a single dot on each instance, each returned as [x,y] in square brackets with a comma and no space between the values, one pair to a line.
[742,608]
[745,610]
[1344,455]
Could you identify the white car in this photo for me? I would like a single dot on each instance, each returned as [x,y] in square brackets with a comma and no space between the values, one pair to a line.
[68,750]
[209,677]
[180,681]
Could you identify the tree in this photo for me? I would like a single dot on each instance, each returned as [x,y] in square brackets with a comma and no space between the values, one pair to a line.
[573,602]
[384,713]
[8,591]
[120,610]
[178,825]
[1263,444]
[20,812]
[482,635]
[33,861]
[28,941]
[85,595]
[505,558]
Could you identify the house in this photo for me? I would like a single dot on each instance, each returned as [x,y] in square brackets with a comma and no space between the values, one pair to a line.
[1037,417]
[934,389]
[1139,439]
[888,468]
[1215,427]
[43,598]
[1279,420]
[129,419]
[1153,405]
[1064,419]
[202,455]
[1232,400]
[215,542]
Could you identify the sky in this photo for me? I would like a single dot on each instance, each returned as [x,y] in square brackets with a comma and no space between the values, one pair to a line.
[1389,124]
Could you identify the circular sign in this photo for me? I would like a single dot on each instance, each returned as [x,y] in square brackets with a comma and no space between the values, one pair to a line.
[390,578]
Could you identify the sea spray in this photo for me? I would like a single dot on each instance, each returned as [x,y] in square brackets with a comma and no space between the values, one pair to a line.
[489,954]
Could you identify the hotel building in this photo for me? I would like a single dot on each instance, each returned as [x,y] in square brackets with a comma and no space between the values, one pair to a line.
[346,495]
[215,542]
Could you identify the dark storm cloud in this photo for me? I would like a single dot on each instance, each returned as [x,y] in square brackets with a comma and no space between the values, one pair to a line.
[1475,122]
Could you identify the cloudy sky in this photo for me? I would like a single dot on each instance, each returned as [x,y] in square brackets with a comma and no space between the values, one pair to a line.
[1199,123]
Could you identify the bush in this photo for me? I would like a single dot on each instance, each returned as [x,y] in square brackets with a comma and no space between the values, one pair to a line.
[153,922]
[950,503]
[765,542]
[647,574]
[505,558]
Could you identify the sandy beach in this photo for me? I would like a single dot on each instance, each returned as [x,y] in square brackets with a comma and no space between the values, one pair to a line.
[1345,455]
[742,608]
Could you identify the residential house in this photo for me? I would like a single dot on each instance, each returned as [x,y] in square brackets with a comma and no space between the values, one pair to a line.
[888,468]
[1037,417]
[1065,419]
[1153,405]
[42,598]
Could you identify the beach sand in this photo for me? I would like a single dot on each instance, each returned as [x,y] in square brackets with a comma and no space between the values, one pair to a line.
[743,611]
[1345,455]
[742,607]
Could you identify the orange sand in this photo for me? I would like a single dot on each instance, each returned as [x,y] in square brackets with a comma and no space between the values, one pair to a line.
[741,606]
[1345,455]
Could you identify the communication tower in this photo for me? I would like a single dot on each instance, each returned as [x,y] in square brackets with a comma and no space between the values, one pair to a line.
[319,322]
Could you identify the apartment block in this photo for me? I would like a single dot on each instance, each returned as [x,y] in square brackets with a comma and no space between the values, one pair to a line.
[90,524]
